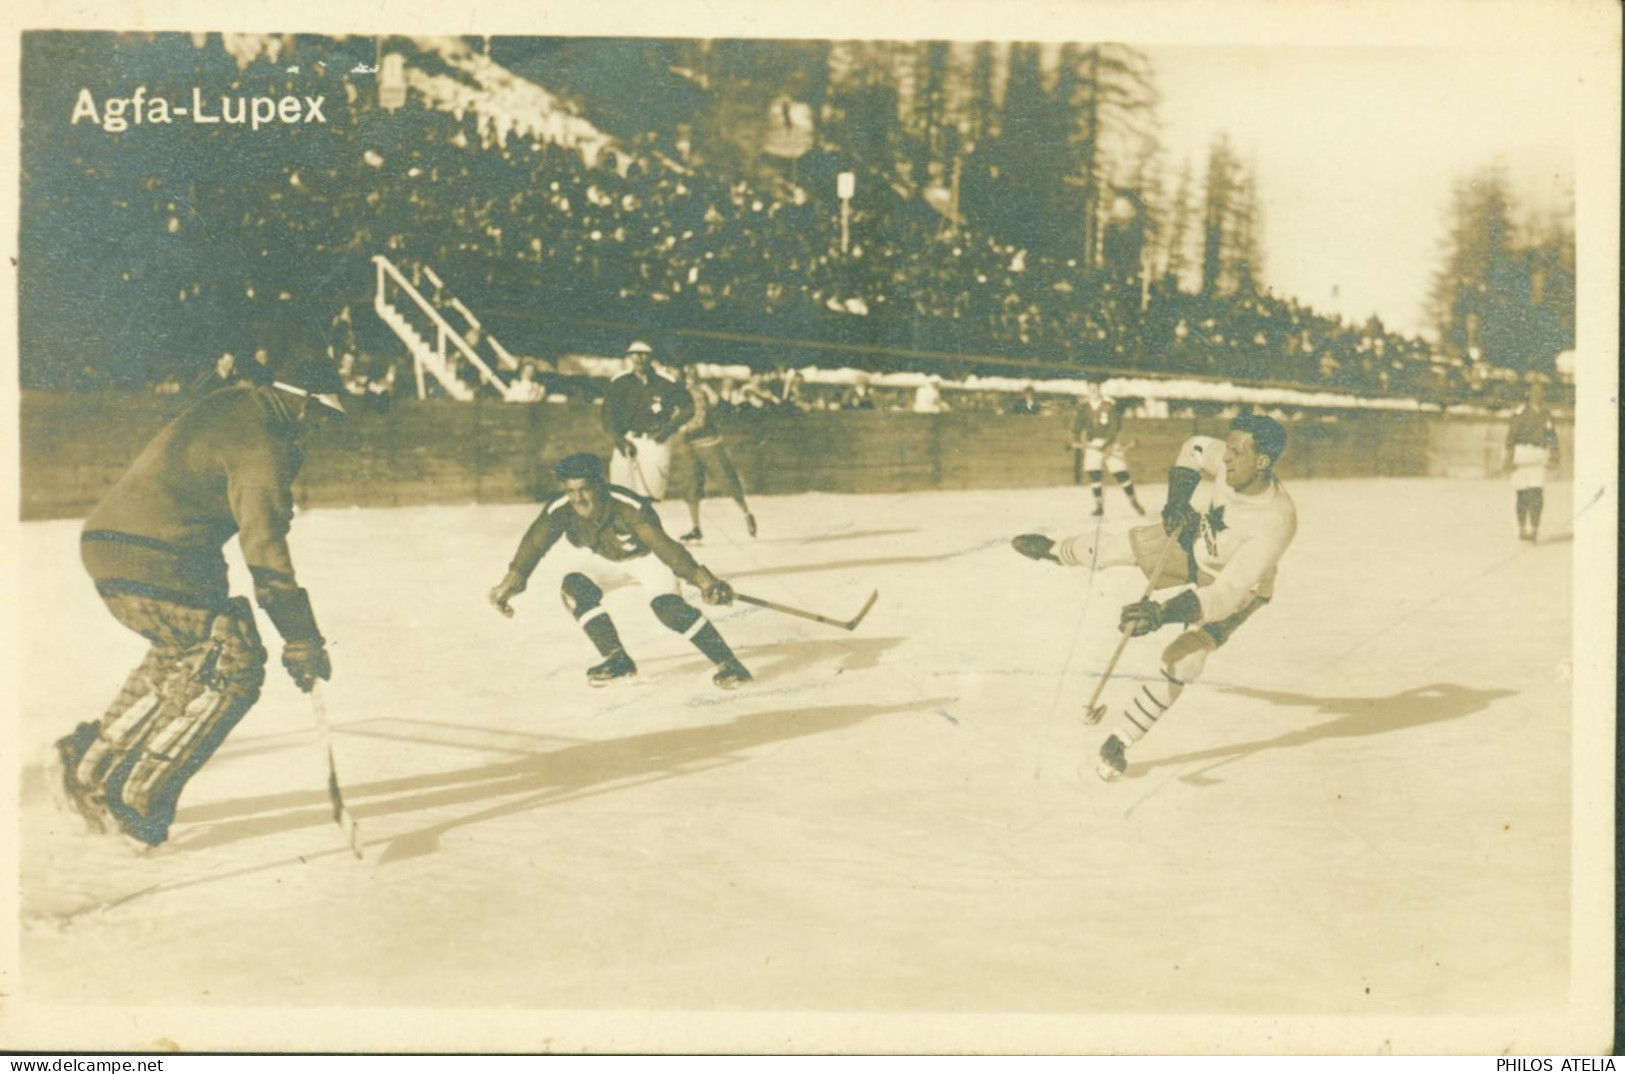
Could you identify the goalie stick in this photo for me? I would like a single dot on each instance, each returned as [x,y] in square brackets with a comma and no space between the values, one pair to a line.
[847,624]
[324,742]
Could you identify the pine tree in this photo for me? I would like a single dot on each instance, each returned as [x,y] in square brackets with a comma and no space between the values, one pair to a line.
[1503,293]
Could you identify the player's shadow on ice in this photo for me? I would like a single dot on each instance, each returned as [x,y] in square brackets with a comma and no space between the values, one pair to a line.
[571,772]
[1353,716]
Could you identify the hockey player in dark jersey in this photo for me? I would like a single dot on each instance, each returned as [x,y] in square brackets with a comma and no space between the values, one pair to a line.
[153,549]
[1095,432]
[642,412]
[706,451]
[1531,447]
[615,534]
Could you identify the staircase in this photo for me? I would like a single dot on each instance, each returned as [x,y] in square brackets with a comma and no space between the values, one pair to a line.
[441,353]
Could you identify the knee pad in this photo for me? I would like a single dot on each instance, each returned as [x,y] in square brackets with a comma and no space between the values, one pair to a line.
[677,613]
[579,593]
[1186,655]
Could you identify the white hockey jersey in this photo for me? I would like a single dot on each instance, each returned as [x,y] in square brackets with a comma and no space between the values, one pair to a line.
[1243,536]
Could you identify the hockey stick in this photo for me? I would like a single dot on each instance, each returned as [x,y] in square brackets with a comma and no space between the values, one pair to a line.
[849,624]
[324,741]
[1092,712]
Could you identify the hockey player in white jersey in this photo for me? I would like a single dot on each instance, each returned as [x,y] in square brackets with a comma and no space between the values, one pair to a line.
[1233,520]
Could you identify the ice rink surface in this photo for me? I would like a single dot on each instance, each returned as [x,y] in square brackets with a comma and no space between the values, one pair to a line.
[1362,808]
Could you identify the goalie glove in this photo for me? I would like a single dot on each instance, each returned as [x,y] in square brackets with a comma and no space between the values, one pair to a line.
[1035,546]
[510,587]
[307,661]
[1146,616]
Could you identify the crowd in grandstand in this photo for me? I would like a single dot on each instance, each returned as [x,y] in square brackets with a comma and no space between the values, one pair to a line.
[257,232]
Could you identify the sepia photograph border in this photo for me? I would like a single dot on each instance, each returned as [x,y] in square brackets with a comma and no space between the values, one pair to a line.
[1587,31]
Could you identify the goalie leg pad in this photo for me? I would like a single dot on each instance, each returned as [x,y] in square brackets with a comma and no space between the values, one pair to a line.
[218,683]
[172,629]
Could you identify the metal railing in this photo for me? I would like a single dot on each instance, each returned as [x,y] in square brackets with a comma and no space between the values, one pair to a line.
[436,359]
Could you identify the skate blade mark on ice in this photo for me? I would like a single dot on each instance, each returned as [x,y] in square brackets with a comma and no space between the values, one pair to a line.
[70,917]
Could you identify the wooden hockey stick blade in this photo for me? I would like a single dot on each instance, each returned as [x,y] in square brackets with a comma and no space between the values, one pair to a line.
[341,813]
[785,609]
[852,624]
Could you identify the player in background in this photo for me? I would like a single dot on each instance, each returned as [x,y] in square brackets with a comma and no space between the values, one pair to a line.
[1095,429]
[614,535]
[642,412]
[1231,535]
[706,451]
[1531,447]
[153,549]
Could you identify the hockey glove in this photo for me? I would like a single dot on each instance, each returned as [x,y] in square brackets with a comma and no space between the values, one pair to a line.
[510,587]
[1035,546]
[306,662]
[1180,520]
[626,448]
[1146,616]
[713,589]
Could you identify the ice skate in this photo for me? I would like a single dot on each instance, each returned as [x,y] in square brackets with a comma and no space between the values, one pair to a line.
[143,835]
[1137,508]
[750,523]
[618,668]
[1113,759]
[731,676]
[66,790]
[693,536]
[1098,512]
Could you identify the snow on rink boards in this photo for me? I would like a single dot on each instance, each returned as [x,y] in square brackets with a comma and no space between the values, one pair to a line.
[1362,808]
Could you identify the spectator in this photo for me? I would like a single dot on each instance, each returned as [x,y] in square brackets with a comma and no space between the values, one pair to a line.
[928,397]
[857,396]
[1027,404]
[526,388]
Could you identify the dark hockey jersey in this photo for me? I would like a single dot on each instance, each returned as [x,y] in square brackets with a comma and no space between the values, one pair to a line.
[1097,423]
[225,466]
[624,527]
[655,409]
